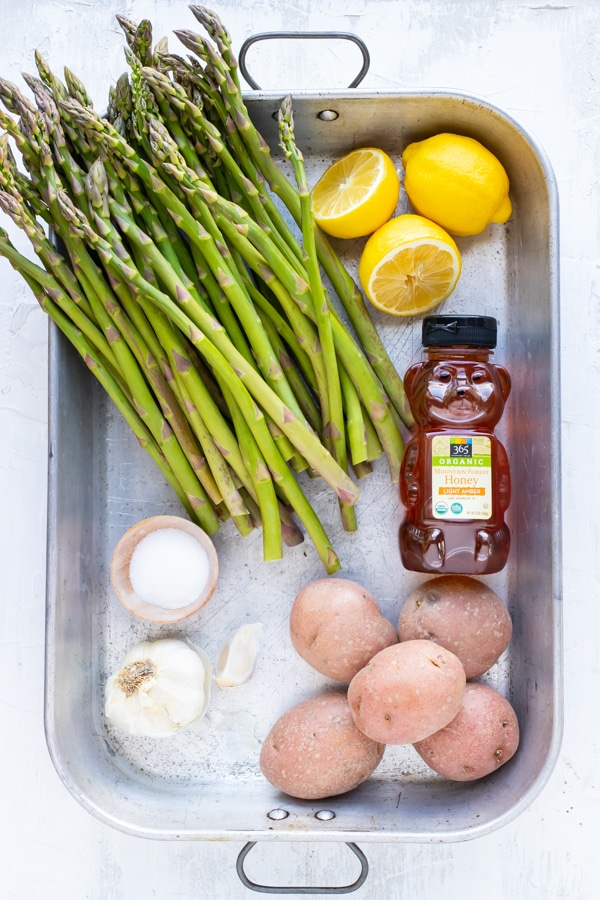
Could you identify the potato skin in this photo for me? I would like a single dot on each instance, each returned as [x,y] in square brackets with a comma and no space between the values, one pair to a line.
[314,750]
[407,692]
[459,613]
[483,736]
[336,626]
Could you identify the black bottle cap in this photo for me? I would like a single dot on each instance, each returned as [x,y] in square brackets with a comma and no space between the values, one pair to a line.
[464,331]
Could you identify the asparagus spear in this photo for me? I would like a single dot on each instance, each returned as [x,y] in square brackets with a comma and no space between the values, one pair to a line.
[333,412]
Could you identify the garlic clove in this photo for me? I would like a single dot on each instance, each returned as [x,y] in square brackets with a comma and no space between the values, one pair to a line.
[237,659]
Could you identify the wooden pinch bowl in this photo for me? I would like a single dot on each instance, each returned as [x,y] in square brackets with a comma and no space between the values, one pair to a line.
[121,558]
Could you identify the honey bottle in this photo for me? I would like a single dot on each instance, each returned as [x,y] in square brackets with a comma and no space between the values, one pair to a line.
[455,478]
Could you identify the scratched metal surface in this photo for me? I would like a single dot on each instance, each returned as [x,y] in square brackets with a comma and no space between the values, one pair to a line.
[205,782]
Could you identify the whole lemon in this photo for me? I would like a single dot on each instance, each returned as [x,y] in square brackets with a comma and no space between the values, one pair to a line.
[457,182]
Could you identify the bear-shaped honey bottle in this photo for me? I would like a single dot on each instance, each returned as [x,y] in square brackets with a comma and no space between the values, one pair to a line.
[455,478]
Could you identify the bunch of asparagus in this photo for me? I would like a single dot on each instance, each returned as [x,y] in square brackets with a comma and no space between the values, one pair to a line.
[164,259]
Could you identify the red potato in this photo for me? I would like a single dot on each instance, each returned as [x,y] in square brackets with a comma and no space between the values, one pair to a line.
[407,692]
[461,614]
[315,750]
[483,736]
[337,627]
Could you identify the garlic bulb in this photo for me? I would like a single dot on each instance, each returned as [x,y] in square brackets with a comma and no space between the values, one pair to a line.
[161,687]
[237,659]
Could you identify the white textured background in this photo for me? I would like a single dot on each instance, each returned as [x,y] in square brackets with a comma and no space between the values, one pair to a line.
[539,61]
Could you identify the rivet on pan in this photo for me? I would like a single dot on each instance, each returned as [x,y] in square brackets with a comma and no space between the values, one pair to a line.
[278,814]
[324,815]
[328,115]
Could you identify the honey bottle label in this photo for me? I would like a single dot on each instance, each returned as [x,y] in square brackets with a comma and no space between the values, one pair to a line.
[461,477]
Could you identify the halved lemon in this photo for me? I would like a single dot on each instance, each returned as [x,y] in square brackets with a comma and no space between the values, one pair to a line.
[409,265]
[356,194]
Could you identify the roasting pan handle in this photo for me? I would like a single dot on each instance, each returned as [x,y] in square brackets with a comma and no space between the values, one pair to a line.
[304,35]
[268,889]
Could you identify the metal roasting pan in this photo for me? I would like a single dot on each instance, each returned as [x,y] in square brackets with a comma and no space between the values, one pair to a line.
[204,783]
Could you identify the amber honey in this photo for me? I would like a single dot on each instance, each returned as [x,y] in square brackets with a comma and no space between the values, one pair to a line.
[455,476]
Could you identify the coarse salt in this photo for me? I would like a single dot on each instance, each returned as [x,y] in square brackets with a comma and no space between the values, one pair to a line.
[169,568]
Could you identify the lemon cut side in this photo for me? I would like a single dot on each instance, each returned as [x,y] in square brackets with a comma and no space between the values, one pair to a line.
[356,194]
[409,266]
